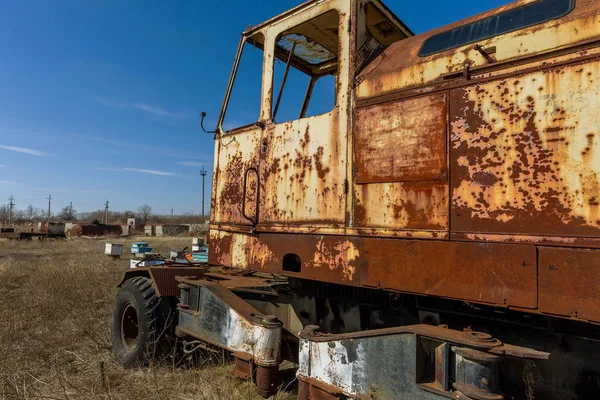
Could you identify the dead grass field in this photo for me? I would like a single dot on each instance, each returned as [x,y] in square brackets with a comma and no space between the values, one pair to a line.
[55,314]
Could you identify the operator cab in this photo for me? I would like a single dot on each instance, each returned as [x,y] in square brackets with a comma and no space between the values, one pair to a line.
[305,44]
[285,119]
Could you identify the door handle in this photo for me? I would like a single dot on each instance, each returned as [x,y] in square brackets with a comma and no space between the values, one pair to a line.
[264,146]
[252,218]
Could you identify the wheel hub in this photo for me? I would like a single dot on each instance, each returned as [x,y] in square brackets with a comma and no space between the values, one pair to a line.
[129,327]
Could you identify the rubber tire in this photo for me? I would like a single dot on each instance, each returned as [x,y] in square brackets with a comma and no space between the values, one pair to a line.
[156,321]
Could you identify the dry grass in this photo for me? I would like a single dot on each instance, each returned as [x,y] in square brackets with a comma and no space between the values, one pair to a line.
[55,316]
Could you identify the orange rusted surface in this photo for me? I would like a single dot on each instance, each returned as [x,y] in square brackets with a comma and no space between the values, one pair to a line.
[504,274]
[302,172]
[444,175]
[233,160]
[525,154]
[569,282]
[404,205]
[501,274]
[402,141]
[400,66]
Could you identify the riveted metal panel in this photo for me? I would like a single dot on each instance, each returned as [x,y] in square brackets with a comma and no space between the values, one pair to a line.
[402,141]
[234,159]
[501,274]
[408,205]
[569,281]
[526,154]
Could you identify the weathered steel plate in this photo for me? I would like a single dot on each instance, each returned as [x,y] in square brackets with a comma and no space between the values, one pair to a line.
[403,141]
[569,282]
[234,159]
[501,274]
[408,205]
[526,154]
[400,67]
[302,172]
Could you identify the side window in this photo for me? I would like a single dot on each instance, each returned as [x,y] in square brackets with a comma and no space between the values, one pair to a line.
[508,21]
[305,69]
[245,100]
[380,33]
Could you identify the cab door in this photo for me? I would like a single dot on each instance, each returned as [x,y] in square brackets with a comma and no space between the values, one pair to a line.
[235,185]
[303,150]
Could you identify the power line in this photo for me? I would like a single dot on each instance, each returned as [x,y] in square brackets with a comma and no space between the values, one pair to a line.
[106,213]
[11,204]
[49,202]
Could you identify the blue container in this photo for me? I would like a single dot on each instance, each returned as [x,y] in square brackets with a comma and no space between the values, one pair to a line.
[140,247]
[135,250]
[200,257]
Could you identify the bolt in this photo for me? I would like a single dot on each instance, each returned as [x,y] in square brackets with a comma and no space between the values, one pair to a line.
[270,318]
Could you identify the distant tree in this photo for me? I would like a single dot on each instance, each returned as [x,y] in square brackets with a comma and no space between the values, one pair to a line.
[91,216]
[128,214]
[4,213]
[68,214]
[144,211]
[30,213]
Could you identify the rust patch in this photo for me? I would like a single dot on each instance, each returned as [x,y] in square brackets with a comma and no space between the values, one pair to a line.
[401,141]
[302,173]
[321,170]
[526,161]
[569,280]
[409,205]
[501,274]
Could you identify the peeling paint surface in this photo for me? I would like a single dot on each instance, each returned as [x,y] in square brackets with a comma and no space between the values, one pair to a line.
[400,67]
[526,153]
[233,160]
[447,175]
[303,172]
[410,205]
[401,141]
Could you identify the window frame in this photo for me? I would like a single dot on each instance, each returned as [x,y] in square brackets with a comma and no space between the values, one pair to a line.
[540,3]
[313,78]
[232,80]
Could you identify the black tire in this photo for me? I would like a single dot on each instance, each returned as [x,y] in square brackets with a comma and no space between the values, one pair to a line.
[142,325]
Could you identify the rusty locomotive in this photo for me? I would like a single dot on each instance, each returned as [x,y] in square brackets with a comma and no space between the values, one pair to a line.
[434,234]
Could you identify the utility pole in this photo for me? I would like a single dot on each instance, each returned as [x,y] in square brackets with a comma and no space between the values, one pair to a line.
[171,213]
[106,213]
[203,173]
[49,202]
[11,204]
[70,211]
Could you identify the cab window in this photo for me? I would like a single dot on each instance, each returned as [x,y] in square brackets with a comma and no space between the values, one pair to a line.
[508,21]
[305,70]
[244,102]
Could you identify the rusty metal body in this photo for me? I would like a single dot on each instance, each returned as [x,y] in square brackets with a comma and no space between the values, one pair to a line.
[451,175]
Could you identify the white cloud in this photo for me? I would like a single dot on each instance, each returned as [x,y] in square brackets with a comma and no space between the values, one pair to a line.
[111,169]
[24,150]
[191,163]
[161,112]
[158,111]
[2,166]
[138,170]
[150,171]
[9,183]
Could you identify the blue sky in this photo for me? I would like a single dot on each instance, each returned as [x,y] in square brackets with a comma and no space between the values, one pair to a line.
[100,100]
